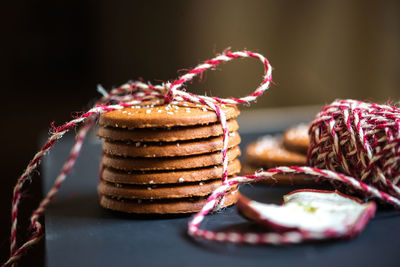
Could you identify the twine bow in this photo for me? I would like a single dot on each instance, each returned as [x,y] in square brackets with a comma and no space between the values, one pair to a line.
[127,95]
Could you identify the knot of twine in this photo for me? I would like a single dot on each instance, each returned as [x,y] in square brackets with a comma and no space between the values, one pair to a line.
[127,95]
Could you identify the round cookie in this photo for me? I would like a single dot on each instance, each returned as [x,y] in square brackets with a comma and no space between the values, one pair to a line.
[185,205]
[297,139]
[165,134]
[182,190]
[169,177]
[171,163]
[269,152]
[170,149]
[171,115]
[281,179]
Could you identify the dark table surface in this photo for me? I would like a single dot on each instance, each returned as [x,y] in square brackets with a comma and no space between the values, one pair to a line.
[80,233]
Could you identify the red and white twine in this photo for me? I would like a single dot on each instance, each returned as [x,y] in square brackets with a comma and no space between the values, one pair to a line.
[353,143]
[135,93]
[127,95]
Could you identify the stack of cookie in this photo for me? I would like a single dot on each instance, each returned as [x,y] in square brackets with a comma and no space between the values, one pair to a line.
[161,159]
[289,149]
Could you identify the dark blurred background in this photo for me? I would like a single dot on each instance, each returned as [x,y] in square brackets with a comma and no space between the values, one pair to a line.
[54,53]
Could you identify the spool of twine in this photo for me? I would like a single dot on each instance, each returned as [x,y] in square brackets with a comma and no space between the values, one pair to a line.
[358,139]
[353,144]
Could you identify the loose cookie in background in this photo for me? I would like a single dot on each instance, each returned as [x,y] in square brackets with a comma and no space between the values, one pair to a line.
[268,152]
[296,138]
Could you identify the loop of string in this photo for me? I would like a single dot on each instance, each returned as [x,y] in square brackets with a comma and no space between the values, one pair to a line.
[127,95]
[136,93]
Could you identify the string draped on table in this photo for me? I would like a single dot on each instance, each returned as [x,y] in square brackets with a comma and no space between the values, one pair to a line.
[353,144]
[136,93]
[127,95]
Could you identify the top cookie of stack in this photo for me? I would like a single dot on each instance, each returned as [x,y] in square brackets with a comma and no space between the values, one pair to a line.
[166,158]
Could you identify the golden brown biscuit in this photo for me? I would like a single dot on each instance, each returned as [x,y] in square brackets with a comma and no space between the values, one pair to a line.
[181,190]
[268,152]
[166,158]
[164,116]
[170,149]
[165,134]
[168,163]
[297,139]
[280,179]
[169,177]
[182,205]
